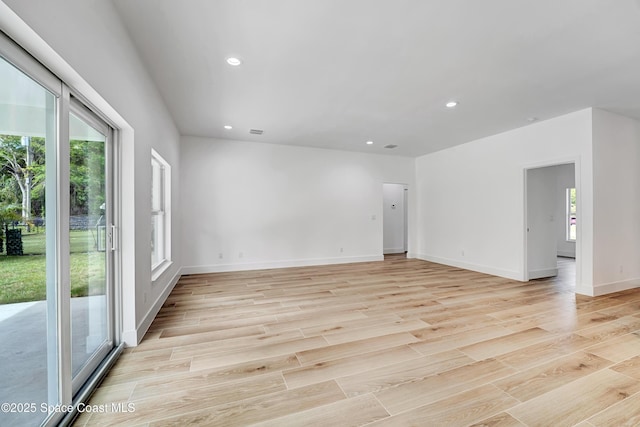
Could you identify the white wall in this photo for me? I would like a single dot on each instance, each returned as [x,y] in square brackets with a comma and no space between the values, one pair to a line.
[471,197]
[541,222]
[252,205]
[393,213]
[616,217]
[565,178]
[85,43]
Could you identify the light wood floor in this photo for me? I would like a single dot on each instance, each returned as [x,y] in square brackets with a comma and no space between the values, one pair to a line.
[399,343]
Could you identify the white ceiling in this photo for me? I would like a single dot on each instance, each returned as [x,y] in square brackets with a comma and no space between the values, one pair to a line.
[335,73]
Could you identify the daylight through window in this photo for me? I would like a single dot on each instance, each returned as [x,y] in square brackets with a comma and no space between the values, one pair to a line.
[571,214]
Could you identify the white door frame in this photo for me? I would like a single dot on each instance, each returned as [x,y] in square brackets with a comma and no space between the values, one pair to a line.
[576,162]
[405,201]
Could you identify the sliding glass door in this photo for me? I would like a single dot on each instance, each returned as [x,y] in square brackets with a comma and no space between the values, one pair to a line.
[56,248]
[89,242]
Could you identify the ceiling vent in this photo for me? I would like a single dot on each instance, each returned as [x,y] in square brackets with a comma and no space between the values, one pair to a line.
[390,146]
[256,131]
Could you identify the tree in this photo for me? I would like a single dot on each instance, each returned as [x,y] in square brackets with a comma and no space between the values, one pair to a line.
[86,177]
[25,164]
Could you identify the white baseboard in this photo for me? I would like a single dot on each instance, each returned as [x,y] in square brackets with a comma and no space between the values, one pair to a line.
[393,251]
[132,338]
[584,290]
[609,288]
[223,268]
[542,273]
[515,275]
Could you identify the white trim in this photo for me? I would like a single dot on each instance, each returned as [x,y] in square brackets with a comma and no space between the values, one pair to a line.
[508,274]
[576,161]
[164,234]
[393,251]
[28,65]
[220,268]
[160,269]
[63,247]
[608,288]
[545,272]
[131,338]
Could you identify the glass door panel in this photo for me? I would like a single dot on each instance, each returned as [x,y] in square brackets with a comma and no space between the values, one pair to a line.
[28,261]
[89,226]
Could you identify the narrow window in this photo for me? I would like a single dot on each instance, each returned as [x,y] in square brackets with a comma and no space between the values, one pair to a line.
[572,214]
[160,214]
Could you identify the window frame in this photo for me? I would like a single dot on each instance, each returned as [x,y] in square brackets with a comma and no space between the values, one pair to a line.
[161,211]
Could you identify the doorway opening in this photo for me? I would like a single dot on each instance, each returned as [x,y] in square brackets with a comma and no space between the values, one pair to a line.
[551,223]
[395,219]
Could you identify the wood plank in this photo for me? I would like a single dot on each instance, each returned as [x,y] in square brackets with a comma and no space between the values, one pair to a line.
[460,339]
[543,351]
[506,344]
[336,368]
[576,401]
[188,380]
[376,380]
[625,413]
[427,390]
[619,348]
[462,409]
[354,412]
[262,408]
[337,351]
[193,399]
[500,420]
[533,382]
[630,367]
[377,330]
[255,353]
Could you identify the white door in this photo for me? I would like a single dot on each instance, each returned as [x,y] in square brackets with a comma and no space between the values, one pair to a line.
[394,213]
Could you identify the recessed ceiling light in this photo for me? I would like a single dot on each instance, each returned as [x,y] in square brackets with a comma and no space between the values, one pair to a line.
[234,61]
[369,142]
[452,104]
[532,119]
[227,127]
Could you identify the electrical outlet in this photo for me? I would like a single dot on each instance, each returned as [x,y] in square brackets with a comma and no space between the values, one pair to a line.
[220,255]
[240,255]
[341,250]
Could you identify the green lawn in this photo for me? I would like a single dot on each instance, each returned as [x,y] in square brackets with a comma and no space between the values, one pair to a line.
[23,278]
